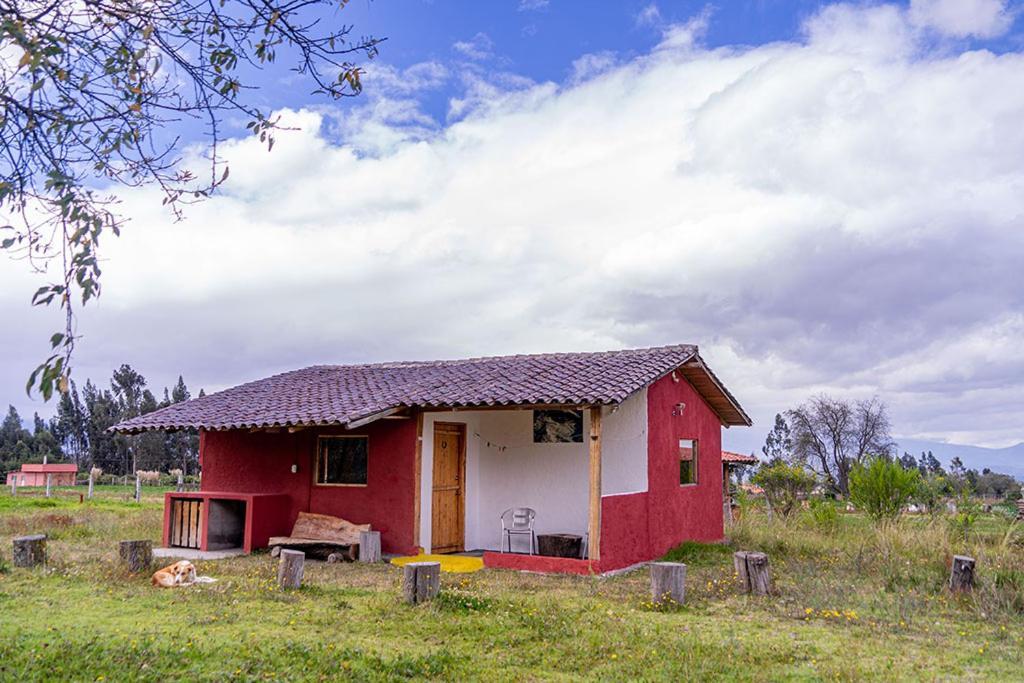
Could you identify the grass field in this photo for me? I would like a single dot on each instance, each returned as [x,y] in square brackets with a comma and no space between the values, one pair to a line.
[853,603]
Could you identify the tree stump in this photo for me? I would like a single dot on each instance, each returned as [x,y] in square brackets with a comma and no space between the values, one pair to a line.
[289,570]
[739,563]
[759,574]
[961,574]
[30,551]
[752,572]
[369,546]
[421,581]
[668,582]
[136,556]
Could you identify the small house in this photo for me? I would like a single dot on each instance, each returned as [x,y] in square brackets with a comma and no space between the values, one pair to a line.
[622,448]
[61,474]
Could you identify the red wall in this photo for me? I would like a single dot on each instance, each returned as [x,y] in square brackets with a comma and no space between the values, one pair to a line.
[643,526]
[260,462]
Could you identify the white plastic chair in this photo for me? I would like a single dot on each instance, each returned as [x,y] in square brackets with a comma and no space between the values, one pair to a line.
[518,521]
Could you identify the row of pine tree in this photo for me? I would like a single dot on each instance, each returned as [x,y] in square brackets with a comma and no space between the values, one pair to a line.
[79,431]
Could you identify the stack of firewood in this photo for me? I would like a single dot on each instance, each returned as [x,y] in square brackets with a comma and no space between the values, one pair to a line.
[1020,509]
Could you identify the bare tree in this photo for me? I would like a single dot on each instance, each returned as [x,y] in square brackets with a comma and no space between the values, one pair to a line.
[831,435]
[97,94]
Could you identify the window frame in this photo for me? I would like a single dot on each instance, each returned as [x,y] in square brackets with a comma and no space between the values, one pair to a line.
[695,468]
[321,452]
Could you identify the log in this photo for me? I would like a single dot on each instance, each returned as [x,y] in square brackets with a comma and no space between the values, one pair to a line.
[315,549]
[668,582]
[369,546]
[30,551]
[559,545]
[421,581]
[289,570]
[759,574]
[739,563]
[961,574]
[346,554]
[136,556]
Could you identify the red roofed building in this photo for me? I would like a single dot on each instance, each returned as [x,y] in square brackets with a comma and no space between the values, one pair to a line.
[622,448]
[35,475]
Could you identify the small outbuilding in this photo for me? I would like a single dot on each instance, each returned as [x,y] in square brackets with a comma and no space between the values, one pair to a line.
[61,474]
[620,448]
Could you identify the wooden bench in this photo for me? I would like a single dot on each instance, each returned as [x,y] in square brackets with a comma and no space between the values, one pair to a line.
[320,536]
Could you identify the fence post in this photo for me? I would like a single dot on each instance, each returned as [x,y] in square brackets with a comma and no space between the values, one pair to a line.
[14,486]
[181,482]
[138,488]
[90,486]
[49,480]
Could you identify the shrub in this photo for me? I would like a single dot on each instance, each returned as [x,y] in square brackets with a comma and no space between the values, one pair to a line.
[783,485]
[966,515]
[882,488]
[931,493]
[824,515]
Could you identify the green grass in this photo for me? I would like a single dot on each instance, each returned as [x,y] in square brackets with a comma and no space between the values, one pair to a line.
[852,603]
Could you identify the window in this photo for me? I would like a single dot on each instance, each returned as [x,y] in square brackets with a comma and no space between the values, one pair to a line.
[341,460]
[687,461]
[558,426]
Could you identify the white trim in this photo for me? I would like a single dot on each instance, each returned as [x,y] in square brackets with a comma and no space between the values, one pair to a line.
[623,493]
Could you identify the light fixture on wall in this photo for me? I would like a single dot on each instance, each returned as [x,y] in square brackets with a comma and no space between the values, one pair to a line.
[678,409]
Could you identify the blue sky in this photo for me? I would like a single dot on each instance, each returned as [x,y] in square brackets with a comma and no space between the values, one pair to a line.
[825,197]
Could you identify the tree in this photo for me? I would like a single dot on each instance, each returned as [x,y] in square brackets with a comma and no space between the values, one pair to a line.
[69,426]
[778,445]
[908,461]
[832,435]
[929,464]
[99,94]
[881,488]
[783,485]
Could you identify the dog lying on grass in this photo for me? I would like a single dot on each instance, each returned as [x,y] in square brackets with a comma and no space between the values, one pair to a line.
[181,573]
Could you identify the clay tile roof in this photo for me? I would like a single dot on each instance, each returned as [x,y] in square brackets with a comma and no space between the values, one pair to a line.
[355,394]
[51,467]
[738,458]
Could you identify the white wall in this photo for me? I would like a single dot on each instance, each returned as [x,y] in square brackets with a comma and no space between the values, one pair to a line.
[505,469]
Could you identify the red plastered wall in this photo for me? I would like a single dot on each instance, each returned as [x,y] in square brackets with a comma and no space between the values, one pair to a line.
[260,462]
[642,526]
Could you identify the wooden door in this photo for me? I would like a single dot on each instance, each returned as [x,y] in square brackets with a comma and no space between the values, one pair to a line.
[449,506]
[186,523]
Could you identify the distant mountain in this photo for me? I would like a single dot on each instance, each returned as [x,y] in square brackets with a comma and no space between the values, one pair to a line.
[1008,460]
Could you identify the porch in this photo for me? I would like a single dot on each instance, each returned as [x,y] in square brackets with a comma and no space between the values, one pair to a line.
[564,462]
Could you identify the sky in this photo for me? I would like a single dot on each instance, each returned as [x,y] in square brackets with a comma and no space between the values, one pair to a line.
[825,197]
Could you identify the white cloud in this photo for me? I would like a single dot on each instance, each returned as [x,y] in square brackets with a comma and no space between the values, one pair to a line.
[841,213]
[962,18]
[650,15]
[479,47]
[591,64]
[533,5]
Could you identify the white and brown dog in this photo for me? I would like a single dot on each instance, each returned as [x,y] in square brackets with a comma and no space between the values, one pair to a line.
[178,574]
